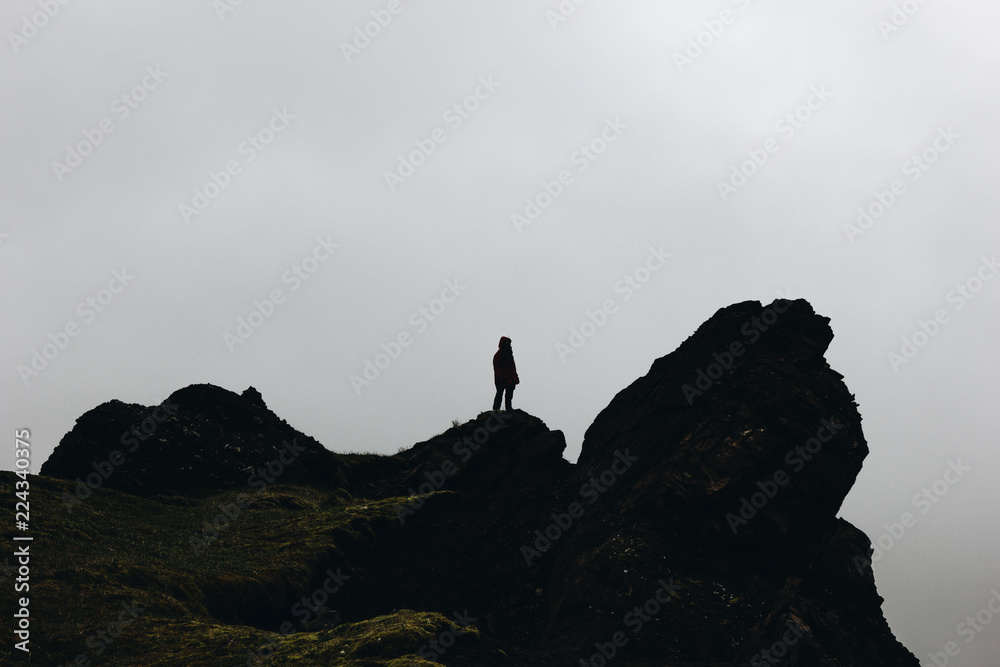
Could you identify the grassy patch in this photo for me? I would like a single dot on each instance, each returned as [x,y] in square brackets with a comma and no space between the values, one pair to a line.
[393,639]
[120,580]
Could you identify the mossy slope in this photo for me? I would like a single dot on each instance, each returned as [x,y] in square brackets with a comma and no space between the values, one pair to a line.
[121,559]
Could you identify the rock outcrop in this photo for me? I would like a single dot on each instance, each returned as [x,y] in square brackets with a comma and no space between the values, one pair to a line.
[743,444]
[698,527]
[202,437]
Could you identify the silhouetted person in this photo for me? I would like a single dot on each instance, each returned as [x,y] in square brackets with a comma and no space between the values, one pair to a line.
[504,373]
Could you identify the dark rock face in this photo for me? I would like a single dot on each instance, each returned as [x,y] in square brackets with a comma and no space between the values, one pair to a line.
[709,424]
[497,451]
[743,444]
[697,528]
[201,437]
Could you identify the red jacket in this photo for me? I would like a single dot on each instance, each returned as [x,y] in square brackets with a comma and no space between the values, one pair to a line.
[504,370]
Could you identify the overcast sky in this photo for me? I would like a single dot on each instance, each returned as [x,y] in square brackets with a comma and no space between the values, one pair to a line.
[324,171]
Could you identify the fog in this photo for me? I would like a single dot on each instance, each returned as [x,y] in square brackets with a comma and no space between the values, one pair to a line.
[345,205]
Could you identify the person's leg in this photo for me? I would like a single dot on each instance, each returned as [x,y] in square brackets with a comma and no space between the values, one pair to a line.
[496,399]
[510,395]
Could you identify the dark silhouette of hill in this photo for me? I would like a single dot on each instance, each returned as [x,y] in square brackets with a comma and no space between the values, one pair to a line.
[699,526]
[201,437]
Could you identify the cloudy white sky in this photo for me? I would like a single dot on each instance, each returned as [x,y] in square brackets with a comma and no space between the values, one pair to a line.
[181,164]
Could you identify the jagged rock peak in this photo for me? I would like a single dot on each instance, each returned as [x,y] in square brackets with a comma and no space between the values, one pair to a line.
[742,445]
[736,402]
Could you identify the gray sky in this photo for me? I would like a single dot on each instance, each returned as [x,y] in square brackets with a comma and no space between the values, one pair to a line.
[251,149]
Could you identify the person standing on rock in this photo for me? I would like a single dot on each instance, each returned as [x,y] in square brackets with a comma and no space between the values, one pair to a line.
[504,373]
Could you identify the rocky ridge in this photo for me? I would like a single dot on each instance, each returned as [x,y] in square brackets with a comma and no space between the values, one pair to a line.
[698,527]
